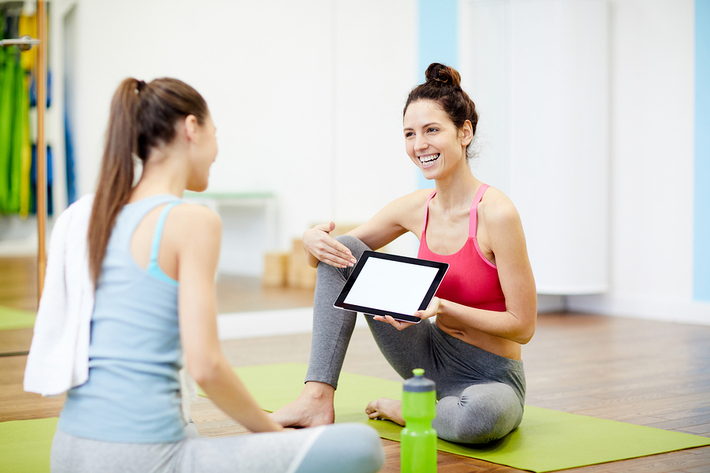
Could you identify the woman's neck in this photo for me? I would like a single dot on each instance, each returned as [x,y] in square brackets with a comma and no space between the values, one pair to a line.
[458,189]
[163,173]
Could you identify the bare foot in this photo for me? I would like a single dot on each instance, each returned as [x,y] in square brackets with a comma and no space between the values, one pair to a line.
[313,407]
[385,408]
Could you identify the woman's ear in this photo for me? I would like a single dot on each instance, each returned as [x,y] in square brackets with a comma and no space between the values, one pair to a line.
[466,133]
[190,123]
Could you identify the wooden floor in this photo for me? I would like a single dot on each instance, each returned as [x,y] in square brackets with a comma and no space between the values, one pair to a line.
[642,372]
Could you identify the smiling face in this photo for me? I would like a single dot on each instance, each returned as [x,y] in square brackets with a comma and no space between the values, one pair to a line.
[432,140]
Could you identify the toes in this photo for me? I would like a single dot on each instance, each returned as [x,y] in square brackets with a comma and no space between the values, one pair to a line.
[372,411]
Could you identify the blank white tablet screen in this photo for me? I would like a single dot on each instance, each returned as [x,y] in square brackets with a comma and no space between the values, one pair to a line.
[391,286]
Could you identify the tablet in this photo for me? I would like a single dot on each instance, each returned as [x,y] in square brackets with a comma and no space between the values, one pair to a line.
[384,284]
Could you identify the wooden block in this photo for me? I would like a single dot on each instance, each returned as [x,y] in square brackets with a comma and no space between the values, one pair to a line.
[308,277]
[297,246]
[296,262]
[300,274]
[275,269]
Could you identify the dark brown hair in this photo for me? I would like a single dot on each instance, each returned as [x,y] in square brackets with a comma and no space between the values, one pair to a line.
[443,86]
[142,116]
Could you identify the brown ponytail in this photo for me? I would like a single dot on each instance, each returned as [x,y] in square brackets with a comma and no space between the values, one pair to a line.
[142,116]
[443,86]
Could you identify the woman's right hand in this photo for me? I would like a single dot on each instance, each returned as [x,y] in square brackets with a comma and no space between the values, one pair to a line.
[318,242]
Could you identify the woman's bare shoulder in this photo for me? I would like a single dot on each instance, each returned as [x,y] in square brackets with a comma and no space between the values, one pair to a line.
[415,199]
[405,205]
[196,212]
[496,208]
[187,220]
[410,206]
[394,219]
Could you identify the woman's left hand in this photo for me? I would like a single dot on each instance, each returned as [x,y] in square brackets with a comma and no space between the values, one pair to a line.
[430,311]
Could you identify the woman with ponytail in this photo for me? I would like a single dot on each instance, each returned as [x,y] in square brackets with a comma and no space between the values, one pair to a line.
[485,308]
[152,260]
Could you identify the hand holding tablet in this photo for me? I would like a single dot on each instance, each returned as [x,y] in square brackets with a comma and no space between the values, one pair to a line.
[384,284]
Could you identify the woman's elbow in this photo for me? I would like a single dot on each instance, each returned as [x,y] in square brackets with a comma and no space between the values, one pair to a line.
[204,371]
[525,337]
[524,329]
[526,332]
[311,260]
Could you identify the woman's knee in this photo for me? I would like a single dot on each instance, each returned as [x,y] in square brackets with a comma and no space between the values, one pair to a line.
[478,417]
[347,448]
[476,429]
[355,245]
[326,272]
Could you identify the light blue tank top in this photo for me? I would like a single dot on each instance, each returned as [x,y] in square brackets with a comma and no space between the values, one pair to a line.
[132,394]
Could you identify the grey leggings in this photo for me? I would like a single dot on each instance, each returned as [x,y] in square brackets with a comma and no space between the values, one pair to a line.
[481,395]
[353,448]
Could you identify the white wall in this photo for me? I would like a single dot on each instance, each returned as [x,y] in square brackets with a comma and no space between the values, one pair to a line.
[652,155]
[307,97]
[283,79]
[539,72]
[375,68]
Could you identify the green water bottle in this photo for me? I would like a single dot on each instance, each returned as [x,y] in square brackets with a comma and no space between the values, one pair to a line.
[418,437]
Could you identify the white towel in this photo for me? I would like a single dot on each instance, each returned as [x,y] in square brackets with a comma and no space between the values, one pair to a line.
[58,359]
[59,354]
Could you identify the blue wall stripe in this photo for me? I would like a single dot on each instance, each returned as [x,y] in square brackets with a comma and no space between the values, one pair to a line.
[701,253]
[438,42]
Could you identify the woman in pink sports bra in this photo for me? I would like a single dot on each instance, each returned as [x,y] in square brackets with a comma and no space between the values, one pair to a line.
[485,308]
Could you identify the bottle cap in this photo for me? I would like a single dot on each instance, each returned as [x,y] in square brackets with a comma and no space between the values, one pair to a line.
[419,384]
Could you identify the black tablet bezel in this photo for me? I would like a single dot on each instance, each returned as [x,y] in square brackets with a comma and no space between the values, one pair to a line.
[441,267]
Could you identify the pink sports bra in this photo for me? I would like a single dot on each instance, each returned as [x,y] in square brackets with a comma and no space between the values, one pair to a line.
[471,280]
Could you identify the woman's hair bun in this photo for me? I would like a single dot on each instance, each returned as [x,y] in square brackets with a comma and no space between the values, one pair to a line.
[442,74]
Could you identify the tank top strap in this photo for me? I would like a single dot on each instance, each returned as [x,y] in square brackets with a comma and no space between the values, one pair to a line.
[132,215]
[158,233]
[426,212]
[473,219]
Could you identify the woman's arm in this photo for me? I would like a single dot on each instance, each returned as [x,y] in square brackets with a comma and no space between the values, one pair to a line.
[394,220]
[198,251]
[506,240]
[320,246]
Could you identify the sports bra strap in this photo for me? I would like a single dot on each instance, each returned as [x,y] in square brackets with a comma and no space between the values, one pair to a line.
[158,234]
[473,219]
[426,212]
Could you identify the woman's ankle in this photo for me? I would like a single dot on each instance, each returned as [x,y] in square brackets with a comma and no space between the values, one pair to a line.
[318,391]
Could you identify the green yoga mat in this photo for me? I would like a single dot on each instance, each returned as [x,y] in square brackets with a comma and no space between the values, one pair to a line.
[25,445]
[12,319]
[545,441]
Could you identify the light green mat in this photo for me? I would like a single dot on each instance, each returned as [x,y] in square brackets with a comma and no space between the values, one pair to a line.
[25,445]
[12,319]
[545,441]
